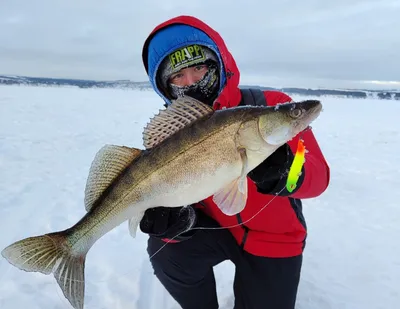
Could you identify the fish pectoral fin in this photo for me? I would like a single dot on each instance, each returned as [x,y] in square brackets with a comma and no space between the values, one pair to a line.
[108,163]
[50,254]
[134,223]
[232,199]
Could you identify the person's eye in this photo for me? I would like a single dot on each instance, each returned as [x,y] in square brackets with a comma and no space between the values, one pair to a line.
[176,76]
[200,67]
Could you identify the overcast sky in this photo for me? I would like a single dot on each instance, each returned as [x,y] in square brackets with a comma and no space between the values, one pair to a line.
[309,43]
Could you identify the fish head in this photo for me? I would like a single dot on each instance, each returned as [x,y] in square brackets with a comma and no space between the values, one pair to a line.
[284,121]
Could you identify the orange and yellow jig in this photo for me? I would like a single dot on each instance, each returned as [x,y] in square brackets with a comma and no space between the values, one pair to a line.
[295,168]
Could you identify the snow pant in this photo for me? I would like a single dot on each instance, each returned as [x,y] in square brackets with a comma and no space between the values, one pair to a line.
[185,269]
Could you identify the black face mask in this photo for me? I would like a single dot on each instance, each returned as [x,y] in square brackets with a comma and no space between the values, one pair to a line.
[205,90]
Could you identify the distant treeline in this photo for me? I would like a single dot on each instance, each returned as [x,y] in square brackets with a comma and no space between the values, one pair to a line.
[126,84]
[357,94]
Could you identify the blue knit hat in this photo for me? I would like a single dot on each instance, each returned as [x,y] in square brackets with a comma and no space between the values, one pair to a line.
[171,38]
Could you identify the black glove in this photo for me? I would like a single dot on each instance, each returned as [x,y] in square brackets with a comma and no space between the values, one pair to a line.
[168,222]
[271,175]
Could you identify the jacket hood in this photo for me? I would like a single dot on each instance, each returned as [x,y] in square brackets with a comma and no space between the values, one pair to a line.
[162,42]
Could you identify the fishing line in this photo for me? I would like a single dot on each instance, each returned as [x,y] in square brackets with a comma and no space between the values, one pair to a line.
[218,228]
[293,176]
[195,228]
[210,228]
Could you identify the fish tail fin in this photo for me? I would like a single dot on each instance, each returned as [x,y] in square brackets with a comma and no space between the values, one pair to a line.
[51,253]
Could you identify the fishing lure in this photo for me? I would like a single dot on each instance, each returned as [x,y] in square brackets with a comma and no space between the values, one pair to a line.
[295,168]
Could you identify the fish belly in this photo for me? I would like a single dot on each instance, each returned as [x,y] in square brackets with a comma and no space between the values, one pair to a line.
[194,189]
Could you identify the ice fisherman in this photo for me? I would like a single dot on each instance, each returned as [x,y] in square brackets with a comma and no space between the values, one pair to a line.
[185,56]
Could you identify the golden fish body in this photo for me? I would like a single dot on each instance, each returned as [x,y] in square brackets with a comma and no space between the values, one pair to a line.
[191,153]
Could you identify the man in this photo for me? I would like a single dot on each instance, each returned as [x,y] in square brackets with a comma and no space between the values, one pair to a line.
[185,56]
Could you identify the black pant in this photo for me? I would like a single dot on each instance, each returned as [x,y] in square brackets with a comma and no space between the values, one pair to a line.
[186,271]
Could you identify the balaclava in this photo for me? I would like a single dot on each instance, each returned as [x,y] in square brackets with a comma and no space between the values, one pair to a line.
[204,90]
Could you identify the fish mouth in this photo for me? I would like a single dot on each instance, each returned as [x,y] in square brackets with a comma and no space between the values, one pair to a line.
[313,113]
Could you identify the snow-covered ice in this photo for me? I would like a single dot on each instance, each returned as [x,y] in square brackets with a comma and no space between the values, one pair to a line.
[49,136]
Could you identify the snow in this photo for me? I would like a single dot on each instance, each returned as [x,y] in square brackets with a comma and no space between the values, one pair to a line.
[49,136]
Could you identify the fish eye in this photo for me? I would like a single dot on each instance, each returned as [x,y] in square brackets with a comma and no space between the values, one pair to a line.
[296,113]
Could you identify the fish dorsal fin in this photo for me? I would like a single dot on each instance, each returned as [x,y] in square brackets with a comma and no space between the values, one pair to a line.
[179,114]
[108,163]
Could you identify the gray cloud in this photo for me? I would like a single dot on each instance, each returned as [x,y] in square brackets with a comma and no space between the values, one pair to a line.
[308,43]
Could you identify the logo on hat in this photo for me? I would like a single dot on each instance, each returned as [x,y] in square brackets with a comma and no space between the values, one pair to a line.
[187,55]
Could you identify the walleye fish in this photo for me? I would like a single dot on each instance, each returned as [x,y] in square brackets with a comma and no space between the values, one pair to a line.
[191,152]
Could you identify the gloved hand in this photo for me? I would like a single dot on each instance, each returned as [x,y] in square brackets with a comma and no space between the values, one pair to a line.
[168,222]
[270,176]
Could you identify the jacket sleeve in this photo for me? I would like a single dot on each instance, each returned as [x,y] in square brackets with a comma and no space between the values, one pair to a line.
[271,175]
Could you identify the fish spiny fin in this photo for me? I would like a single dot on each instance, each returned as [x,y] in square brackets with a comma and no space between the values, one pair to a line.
[108,163]
[47,254]
[232,199]
[179,114]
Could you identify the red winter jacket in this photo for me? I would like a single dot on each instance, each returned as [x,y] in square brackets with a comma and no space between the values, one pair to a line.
[279,230]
